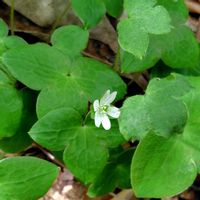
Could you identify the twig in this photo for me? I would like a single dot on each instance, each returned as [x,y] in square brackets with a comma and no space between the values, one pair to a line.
[59,17]
[12,14]
[49,155]
[117,60]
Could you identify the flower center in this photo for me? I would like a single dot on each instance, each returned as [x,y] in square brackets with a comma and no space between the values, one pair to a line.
[104,109]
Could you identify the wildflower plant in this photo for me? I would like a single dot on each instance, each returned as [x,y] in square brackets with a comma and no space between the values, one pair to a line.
[58,84]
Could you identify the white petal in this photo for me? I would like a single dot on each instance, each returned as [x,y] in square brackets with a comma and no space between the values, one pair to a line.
[107,99]
[106,122]
[97,119]
[96,105]
[105,96]
[113,112]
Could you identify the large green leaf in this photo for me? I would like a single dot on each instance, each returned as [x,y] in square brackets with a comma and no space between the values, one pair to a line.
[63,128]
[144,18]
[88,80]
[153,111]
[26,178]
[115,174]
[174,161]
[90,11]
[36,66]
[10,107]
[71,39]
[21,139]
[173,48]
[64,83]
[158,160]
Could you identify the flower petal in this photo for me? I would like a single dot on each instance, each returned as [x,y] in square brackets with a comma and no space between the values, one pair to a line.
[97,119]
[105,96]
[96,105]
[113,112]
[108,98]
[106,122]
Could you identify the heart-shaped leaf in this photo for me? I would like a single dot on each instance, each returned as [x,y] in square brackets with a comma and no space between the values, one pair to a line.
[25,177]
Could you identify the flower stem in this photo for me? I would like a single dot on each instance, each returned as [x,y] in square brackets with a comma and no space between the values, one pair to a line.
[117,61]
[12,14]
[59,17]
[86,117]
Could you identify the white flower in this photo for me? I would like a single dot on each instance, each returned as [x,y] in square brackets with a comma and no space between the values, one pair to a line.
[103,109]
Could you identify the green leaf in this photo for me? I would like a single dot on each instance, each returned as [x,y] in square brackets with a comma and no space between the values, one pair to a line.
[133,32]
[26,178]
[158,160]
[82,84]
[180,45]
[130,63]
[90,12]
[115,174]
[63,93]
[21,140]
[114,7]
[63,128]
[173,48]
[133,38]
[141,115]
[55,128]
[70,39]
[12,42]
[173,161]
[10,108]
[3,28]
[42,66]
[36,66]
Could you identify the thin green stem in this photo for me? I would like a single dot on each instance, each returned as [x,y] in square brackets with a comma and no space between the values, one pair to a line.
[117,61]
[86,117]
[5,71]
[59,17]
[12,15]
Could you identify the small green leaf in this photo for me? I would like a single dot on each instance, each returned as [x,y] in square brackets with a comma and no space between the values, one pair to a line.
[26,178]
[130,63]
[115,174]
[10,108]
[180,45]
[12,42]
[70,39]
[133,38]
[114,7]
[133,32]
[3,28]
[21,140]
[141,114]
[90,11]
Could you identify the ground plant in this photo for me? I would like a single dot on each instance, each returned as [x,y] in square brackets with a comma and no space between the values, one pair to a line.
[80,108]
